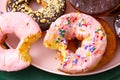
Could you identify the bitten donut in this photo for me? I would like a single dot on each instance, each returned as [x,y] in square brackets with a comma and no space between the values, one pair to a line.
[87,30]
[27,30]
[50,11]
[98,7]
[117,25]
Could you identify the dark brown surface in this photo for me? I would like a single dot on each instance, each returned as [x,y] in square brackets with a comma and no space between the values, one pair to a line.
[95,7]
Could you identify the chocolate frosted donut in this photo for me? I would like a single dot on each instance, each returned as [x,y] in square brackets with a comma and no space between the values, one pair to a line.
[95,7]
[117,25]
[50,11]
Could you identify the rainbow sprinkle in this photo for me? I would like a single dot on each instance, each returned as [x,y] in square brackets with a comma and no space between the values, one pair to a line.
[58,40]
[1,12]
[90,47]
[75,61]
[68,22]
[62,32]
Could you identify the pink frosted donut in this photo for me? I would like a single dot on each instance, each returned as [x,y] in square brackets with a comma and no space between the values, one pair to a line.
[27,30]
[86,29]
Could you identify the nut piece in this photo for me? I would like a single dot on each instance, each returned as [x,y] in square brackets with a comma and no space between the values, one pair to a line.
[43,20]
[38,14]
[38,1]
[20,1]
[13,10]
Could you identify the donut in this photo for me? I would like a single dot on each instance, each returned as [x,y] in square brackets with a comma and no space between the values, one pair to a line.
[27,30]
[98,7]
[85,29]
[50,11]
[117,25]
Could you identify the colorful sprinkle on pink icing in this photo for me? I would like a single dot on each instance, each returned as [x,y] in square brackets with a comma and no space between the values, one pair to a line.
[1,12]
[85,28]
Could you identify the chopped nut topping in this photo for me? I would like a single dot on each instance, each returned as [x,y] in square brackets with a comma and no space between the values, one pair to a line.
[51,9]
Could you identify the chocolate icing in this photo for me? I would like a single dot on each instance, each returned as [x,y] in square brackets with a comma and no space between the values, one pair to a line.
[95,7]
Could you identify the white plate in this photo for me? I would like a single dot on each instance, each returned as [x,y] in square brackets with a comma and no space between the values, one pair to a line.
[46,59]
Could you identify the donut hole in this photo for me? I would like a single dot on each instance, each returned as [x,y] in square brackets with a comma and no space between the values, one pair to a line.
[74,44]
[12,41]
[35,5]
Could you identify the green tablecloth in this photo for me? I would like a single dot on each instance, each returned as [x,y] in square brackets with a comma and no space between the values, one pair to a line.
[32,73]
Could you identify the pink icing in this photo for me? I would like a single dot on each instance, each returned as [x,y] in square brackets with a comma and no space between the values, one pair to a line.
[10,60]
[22,26]
[85,28]
[3,6]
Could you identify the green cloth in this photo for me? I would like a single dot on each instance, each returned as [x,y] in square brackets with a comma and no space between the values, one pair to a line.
[32,73]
